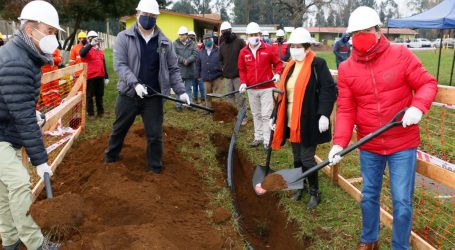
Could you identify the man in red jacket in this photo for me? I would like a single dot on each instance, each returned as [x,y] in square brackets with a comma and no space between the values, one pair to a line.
[255,65]
[374,84]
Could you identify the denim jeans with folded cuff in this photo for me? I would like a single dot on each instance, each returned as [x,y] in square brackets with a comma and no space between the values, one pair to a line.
[402,168]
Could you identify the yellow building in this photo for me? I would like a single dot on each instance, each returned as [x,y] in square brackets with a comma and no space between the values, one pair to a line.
[169,22]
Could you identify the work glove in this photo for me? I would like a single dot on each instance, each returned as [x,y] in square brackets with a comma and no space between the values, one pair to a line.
[242,88]
[140,90]
[93,42]
[259,190]
[323,123]
[186,98]
[412,116]
[43,168]
[272,124]
[334,158]
[40,118]
[106,82]
[276,78]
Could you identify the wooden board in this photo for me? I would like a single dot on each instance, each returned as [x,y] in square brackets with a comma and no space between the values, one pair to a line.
[437,173]
[446,95]
[54,115]
[57,74]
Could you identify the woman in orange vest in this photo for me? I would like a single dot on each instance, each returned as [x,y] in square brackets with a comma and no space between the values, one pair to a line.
[75,57]
[50,93]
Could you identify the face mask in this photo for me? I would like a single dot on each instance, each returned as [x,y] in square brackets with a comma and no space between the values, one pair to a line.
[147,22]
[48,44]
[208,43]
[253,40]
[280,39]
[84,41]
[298,54]
[364,42]
[226,34]
[345,39]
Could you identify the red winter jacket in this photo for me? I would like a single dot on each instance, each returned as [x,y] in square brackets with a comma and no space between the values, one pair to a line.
[255,70]
[280,49]
[95,63]
[373,88]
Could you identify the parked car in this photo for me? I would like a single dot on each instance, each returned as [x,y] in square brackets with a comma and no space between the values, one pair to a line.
[450,42]
[420,43]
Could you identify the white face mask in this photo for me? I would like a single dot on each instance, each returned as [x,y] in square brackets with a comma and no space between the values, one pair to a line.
[253,40]
[48,44]
[298,54]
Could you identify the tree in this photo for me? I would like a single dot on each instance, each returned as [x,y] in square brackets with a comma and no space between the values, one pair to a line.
[418,6]
[320,18]
[369,3]
[331,19]
[242,11]
[184,6]
[388,9]
[297,10]
[221,7]
[202,6]
[163,4]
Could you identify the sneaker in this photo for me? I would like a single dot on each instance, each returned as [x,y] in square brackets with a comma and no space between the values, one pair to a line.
[256,143]
[15,246]
[49,245]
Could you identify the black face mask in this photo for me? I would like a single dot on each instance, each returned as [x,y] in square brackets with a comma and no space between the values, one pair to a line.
[84,41]
[2,42]
[280,40]
[147,22]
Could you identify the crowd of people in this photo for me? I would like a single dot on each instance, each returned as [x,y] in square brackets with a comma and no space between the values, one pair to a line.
[375,81]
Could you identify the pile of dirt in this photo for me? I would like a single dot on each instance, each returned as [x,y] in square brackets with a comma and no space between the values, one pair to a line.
[274,182]
[263,222]
[221,215]
[125,207]
[224,111]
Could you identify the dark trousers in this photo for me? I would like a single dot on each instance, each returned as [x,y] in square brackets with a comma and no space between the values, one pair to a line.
[304,157]
[95,88]
[151,110]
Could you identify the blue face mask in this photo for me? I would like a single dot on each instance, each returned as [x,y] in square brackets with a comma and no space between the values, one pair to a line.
[208,43]
[147,22]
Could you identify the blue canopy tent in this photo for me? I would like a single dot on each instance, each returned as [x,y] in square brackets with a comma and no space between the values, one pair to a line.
[442,16]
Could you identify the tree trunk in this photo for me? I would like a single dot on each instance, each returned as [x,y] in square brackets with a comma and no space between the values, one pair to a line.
[70,39]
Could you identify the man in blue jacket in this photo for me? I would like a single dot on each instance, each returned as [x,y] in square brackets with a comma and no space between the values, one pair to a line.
[342,49]
[20,80]
[145,62]
[208,67]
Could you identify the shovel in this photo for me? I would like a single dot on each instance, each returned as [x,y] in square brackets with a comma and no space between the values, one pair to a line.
[217,95]
[155,93]
[48,186]
[261,171]
[294,177]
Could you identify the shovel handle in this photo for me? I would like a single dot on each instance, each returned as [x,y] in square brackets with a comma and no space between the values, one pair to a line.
[250,87]
[48,186]
[394,122]
[183,102]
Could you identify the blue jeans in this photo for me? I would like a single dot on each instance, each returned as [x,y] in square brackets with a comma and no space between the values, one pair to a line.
[188,85]
[402,168]
[198,87]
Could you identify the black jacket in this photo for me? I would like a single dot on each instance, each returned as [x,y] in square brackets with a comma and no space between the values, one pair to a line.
[208,67]
[20,80]
[229,57]
[320,96]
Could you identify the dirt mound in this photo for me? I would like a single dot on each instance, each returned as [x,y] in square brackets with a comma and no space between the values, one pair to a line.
[274,182]
[128,208]
[224,111]
[221,215]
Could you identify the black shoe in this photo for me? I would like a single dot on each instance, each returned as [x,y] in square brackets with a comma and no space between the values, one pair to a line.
[15,246]
[110,160]
[315,199]
[155,170]
[297,195]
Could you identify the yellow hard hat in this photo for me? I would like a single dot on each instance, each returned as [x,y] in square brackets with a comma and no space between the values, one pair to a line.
[1,36]
[81,34]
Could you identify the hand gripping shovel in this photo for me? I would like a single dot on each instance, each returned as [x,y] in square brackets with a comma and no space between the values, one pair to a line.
[290,179]
[155,93]
[261,171]
[237,91]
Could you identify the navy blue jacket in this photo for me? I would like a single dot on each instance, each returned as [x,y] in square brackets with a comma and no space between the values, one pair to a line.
[209,67]
[20,80]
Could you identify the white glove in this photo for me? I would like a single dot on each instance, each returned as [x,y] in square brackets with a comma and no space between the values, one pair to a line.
[186,98]
[412,116]
[334,158]
[106,82]
[323,124]
[140,90]
[40,118]
[43,168]
[93,42]
[276,78]
[272,124]
[242,88]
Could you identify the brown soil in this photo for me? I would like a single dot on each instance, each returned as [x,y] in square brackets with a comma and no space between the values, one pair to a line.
[274,182]
[221,215]
[125,207]
[263,222]
[224,111]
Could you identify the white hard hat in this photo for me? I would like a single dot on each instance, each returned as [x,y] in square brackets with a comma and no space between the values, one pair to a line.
[265,33]
[300,35]
[280,32]
[192,33]
[253,28]
[149,6]
[92,34]
[363,18]
[41,11]
[182,30]
[225,26]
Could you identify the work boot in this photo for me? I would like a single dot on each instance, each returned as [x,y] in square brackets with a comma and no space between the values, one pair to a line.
[315,199]
[256,143]
[15,246]
[49,245]
[368,246]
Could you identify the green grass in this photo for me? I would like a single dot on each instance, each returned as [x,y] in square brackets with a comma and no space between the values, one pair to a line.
[429,60]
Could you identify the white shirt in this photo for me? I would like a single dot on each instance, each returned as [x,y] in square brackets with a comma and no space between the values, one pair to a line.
[146,38]
[255,49]
[209,50]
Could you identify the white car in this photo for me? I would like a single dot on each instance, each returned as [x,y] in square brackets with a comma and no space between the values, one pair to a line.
[420,43]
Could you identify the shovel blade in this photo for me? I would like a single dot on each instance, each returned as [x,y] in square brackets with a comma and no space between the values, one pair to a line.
[290,176]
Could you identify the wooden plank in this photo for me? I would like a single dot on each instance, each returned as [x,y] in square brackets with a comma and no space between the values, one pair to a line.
[437,173]
[355,180]
[54,115]
[84,97]
[76,88]
[57,74]
[446,94]
[40,185]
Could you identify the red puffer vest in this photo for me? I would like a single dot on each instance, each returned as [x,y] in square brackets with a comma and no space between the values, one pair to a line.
[95,63]
[375,87]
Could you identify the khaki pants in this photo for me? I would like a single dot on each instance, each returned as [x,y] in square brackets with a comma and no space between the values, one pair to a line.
[233,85]
[15,201]
[261,104]
[214,86]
